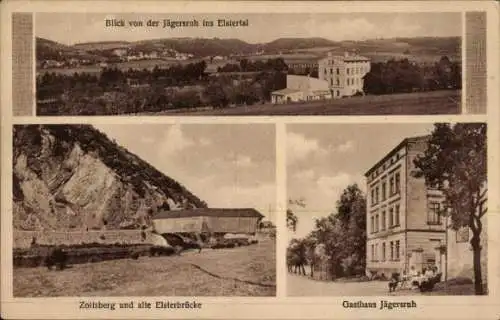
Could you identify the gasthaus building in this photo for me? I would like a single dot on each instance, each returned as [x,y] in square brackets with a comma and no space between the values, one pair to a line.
[404,227]
[208,221]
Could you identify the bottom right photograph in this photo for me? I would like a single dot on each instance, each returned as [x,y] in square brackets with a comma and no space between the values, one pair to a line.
[387,209]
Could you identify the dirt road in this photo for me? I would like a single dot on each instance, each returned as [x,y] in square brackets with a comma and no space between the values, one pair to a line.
[305,286]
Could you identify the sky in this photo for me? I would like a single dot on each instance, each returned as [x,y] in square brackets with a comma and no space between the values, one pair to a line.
[323,159]
[226,165]
[71,28]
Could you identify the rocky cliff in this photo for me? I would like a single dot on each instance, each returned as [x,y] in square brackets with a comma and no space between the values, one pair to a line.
[73,177]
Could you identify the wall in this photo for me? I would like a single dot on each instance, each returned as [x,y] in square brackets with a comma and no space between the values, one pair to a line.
[22,239]
[460,255]
[386,266]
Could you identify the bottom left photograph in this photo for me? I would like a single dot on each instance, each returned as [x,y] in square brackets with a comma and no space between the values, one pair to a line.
[144,210]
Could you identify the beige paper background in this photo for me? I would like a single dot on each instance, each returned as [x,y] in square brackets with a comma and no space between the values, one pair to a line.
[279,307]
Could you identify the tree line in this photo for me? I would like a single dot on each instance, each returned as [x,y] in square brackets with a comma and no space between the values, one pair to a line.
[116,91]
[401,76]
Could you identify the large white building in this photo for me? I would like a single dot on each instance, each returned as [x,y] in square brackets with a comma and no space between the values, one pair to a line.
[344,74]
[301,88]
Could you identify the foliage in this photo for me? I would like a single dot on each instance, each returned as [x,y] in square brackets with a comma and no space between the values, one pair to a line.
[291,220]
[343,234]
[404,76]
[455,162]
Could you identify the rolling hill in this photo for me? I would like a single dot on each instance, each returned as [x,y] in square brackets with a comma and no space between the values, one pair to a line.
[201,47]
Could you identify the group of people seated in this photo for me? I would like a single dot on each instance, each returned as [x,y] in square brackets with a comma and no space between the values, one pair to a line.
[417,279]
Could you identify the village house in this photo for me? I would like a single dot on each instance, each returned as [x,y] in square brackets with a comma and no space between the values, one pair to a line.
[301,88]
[344,74]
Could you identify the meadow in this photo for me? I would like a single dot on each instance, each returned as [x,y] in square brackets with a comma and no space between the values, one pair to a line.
[242,271]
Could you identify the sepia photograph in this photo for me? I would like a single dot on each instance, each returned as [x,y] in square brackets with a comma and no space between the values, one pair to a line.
[248,64]
[144,210]
[387,209]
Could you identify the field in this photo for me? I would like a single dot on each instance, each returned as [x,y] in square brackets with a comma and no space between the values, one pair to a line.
[421,103]
[243,271]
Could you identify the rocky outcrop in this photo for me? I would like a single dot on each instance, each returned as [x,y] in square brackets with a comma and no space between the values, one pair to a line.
[72,177]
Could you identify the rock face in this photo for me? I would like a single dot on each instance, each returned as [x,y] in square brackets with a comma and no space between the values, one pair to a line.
[72,177]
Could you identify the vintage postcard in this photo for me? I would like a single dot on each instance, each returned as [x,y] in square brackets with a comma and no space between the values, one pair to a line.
[250,160]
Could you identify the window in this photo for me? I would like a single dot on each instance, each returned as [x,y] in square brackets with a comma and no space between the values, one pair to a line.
[373,252]
[462,234]
[338,92]
[383,221]
[391,217]
[376,251]
[397,250]
[391,186]
[331,71]
[396,216]
[338,81]
[338,71]
[326,72]
[372,226]
[384,191]
[397,182]
[331,81]
[376,223]
[376,195]
[433,215]
[347,71]
[383,251]
[392,250]
[373,196]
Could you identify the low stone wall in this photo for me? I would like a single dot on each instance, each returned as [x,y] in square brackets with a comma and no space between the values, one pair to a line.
[22,239]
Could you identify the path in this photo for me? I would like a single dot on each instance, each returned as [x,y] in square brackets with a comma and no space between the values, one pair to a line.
[305,286]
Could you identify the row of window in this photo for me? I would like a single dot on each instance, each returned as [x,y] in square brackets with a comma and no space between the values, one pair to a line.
[357,70]
[394,251]
[381,169]
[384,221]
[394,188]
[349,81]
[351,71]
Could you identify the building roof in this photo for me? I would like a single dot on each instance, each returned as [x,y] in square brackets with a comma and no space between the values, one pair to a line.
[209,212]
[347,58]
[285,91]
[394,150]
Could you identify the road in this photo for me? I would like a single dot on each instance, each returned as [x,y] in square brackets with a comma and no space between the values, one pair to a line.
[420,103]
[305,286]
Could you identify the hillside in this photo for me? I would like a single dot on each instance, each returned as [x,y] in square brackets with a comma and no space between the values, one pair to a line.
[74,177]
[202,47]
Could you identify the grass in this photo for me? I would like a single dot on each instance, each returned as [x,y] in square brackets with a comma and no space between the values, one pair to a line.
[419,103]
[166,276]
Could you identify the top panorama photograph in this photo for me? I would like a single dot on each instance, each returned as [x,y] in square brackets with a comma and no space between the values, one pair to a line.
[248,64]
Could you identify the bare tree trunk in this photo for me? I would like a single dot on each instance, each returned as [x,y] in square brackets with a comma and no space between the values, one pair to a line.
[478,277]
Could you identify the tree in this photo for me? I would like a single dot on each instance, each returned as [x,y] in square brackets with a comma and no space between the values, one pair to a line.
[291,220]
[455,162]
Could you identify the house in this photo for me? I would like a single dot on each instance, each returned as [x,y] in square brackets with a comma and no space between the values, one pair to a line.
[302,65]
[301,88]
[208,221]
[119,52]
[344,74]
[403,220]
